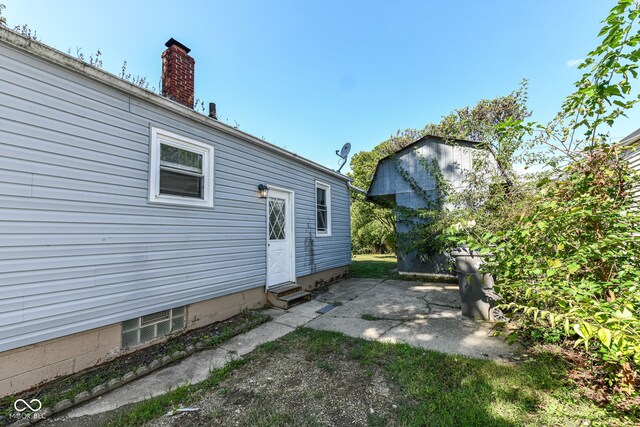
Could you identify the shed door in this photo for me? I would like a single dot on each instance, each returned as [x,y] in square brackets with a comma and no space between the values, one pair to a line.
[280,238]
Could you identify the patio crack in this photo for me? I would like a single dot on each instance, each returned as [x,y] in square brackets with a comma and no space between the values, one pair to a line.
[402,322]
[430,303]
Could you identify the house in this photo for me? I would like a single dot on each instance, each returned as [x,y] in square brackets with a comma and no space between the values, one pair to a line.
[126,216]
[633,156]
[396,178]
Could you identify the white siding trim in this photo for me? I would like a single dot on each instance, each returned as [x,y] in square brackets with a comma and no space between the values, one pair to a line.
[189,144]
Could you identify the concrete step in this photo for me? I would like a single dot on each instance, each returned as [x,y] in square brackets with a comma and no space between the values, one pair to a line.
[286,301]
[285,289]
[296,296]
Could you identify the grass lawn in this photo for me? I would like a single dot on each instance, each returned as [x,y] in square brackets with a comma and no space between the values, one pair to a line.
[384,266]
[313,378]
[374,266]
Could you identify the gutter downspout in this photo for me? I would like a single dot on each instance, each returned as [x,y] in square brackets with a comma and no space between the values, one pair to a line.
[356,189]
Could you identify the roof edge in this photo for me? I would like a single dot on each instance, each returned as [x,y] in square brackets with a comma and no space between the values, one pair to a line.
[64,60]
[425,137]
[631,138]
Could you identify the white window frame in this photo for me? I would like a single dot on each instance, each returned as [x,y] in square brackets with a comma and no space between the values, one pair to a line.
[159,136]
[327,189]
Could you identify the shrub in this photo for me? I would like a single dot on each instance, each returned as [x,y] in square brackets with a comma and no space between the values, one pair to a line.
[573,259]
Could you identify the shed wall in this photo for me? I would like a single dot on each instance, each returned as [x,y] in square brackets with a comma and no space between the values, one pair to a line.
[453,160]
[634,162]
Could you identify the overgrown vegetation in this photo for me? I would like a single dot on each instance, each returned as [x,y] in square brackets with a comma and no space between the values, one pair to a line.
[563,245]
[572,255]
[498,148]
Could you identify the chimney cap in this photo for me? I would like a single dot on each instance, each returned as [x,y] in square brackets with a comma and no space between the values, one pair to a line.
[175,42]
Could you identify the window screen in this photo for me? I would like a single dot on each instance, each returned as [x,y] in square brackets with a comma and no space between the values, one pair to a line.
[181,172]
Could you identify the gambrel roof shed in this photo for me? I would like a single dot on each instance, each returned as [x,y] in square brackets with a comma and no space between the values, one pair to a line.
[453,157]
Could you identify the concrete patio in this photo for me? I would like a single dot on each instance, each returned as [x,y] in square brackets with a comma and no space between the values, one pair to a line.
[425,315]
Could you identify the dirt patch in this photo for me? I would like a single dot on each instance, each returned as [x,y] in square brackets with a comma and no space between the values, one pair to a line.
[296,387]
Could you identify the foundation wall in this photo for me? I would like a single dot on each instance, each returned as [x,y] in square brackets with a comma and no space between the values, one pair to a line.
[27,367]
[214,310]
[324,277]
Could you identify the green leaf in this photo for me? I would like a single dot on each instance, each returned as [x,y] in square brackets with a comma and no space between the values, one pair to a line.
[573,267]
[604,335]
[578,330]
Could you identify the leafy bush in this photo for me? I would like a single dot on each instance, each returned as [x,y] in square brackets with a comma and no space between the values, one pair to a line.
[573,258]
[567,256]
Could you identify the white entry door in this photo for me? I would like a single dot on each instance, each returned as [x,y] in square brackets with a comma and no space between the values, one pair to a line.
[280,238]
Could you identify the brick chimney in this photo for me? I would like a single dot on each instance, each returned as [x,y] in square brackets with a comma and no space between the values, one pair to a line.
[178,73]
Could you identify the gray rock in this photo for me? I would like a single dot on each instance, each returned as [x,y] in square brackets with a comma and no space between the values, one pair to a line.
[128,377]
[114,383]
[46,413]
[142,370]
[190,350]
[99,389]
[21,423]
[62,405]
[166,360]
[81,397]
[178,355]
[155,365]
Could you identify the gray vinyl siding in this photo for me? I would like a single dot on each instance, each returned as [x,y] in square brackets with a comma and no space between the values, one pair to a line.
[81,247]
[634,162]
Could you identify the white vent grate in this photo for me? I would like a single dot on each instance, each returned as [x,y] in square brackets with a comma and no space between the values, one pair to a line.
[152,326]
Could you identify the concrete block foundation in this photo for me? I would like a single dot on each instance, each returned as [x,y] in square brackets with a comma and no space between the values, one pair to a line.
[27,367]
[325,277]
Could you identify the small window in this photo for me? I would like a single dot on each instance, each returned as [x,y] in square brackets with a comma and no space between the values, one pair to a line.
[152,326]
[181,170]
[323,209]
[155,318]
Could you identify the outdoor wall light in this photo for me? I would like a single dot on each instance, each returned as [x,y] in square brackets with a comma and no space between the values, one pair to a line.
[264,190]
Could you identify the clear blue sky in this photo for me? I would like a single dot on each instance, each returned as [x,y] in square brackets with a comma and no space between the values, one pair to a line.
[312,75]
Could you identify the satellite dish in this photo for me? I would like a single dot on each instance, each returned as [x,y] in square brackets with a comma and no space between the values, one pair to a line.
[343,153]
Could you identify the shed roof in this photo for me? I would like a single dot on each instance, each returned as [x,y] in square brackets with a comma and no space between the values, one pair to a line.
[411,146]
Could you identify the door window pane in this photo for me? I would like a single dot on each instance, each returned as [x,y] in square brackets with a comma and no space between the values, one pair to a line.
[277,219]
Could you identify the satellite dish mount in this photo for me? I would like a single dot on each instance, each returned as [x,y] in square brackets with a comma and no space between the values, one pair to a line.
[343,154]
